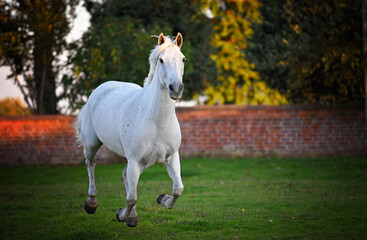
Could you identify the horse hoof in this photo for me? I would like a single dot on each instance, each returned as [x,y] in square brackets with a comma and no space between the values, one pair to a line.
[132,222]
[160,197]
[118,213]
[88,208]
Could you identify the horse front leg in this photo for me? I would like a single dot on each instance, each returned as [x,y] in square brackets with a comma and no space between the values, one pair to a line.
[174,171]
[133,171]
[133,217]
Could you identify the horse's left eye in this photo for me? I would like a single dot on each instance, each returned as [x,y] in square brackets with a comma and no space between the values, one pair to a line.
[183,59]
[161,60]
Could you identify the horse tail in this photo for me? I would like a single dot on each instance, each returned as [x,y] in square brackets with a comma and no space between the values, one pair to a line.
[77,126]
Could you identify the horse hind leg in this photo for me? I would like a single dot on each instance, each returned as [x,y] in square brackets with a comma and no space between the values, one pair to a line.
[91,203]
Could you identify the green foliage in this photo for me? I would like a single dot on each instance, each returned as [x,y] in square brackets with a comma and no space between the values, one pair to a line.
[32,35]
[272,198]
[311,51]
[117,45]
[246,52]
[114,51]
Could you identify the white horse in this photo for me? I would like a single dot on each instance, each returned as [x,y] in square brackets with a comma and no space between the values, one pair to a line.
[139,124]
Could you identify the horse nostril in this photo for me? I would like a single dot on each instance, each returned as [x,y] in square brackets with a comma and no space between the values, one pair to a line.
[181,86]
[170,87]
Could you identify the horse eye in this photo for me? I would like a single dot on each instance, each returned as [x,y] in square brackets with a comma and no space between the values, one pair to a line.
[184,59]
[161,60]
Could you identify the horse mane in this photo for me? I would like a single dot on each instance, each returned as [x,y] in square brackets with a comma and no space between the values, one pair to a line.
[153,57]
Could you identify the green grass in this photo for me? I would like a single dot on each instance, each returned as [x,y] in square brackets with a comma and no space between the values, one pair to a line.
[223,199]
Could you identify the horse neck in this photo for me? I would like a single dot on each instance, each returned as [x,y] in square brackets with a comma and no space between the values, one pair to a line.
[161,106]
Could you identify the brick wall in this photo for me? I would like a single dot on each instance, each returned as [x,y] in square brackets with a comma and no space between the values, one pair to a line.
[269,130]
[206,131]
[42,140]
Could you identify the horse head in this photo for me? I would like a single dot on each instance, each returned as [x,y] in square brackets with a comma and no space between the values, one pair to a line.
[170,65]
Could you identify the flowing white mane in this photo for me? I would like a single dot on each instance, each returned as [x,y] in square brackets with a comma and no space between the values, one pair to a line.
[153,57]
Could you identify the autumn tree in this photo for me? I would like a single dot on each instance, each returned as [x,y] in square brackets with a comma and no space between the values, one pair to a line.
[13,107]
[32,36]
[238,82]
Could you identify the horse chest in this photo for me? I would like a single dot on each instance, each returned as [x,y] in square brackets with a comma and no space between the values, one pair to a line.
[151,143]
[159,152]
[162,147]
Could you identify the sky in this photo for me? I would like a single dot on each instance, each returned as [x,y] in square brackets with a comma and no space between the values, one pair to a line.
[79,26]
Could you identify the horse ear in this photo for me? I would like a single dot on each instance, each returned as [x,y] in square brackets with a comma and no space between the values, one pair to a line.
[179,40]
[160,39]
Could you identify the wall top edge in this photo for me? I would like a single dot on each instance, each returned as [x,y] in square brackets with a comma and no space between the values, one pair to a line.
[205,108]
[269,107]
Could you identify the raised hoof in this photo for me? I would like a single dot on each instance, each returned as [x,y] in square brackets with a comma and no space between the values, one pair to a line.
[132,222]
[118,213]
[89,209]
[160,197]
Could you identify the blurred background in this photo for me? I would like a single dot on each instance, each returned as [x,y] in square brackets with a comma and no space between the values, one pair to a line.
[244,52]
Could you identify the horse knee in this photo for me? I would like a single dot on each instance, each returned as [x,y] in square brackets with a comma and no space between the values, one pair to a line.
[177,192]
[90,163]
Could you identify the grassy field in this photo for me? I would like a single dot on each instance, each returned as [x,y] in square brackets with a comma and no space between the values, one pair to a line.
[223,199]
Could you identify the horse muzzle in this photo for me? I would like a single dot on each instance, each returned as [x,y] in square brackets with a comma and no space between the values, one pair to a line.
[175,90]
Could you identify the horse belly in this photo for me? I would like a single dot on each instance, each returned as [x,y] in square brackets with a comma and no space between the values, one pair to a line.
[107,132]
[107,103]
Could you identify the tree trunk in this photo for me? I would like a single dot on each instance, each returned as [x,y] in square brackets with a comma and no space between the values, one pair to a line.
[364,29]
[44,76]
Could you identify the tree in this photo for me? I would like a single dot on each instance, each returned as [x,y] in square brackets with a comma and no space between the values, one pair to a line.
[311,51]
[32,36]
[364,32]
[13,107]
[238,82]
[118,43]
